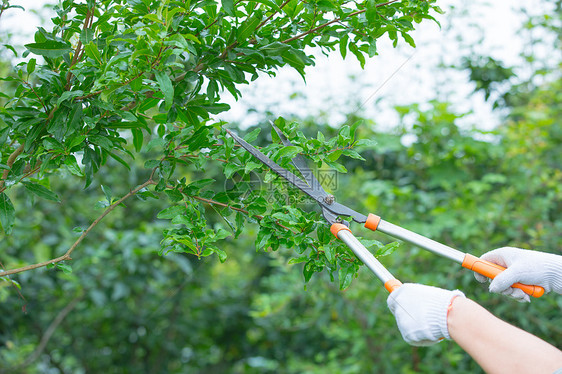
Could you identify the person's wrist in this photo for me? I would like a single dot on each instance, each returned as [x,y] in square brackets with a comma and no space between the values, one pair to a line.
[455,314]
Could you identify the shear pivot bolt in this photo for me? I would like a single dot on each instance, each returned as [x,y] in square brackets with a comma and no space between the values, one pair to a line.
[329,199]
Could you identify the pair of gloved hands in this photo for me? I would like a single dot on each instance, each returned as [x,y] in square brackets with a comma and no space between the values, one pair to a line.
[421,311]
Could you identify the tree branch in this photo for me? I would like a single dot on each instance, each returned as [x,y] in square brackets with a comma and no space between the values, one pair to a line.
[272,14]
[9,163]
[50,331]
[213,202]
[78,52]
[314,29]
[66,256]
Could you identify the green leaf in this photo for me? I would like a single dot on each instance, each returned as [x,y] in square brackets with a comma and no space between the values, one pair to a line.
[334,156]
[297,260]
[72,166]
[102,141]
[76,117]
[330,253]
[175,196]
[289,152]
[338,167]
[252,135]
[66,95]
[296,59]
[343,45]
[246,29]
[345,274]
[107,192]
[66,268]
[263,238]
[324,234]
[230,169]
[409,39]
[31,66]
[251,165]
[366,143]
[308,269]
[49,48]
[269,3]
[119,160]
[166,87]
[86,36]
[41,191]
[222,254]
[222,234]
[353,154]
[228,6]
[388,249]
[201,183]
[171,212]
[137,139]
[192,38]
[92,52]
[7,213]
[371,13]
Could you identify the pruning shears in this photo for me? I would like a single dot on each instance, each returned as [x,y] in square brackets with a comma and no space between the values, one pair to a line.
[332,211]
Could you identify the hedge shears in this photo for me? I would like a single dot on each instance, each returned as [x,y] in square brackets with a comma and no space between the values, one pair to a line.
[333,211]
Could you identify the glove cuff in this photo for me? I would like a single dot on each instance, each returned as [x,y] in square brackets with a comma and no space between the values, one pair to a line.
[437,311]
[553,273]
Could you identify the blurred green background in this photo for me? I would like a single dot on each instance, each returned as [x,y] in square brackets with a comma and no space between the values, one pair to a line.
[126,309]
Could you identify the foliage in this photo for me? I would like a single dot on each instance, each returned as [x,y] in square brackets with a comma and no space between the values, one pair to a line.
[121,307]
[175,313]
[143,79]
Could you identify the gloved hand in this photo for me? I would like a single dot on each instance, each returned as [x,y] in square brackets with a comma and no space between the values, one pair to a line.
[421,312]
[524,266]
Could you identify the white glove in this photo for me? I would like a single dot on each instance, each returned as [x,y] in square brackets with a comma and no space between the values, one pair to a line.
[524,266]
[421,312]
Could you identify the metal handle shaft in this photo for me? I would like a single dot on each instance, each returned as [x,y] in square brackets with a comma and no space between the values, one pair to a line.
[389,281]
[421,241]
[466,260]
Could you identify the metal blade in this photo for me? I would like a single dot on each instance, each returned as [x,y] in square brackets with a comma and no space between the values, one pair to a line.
[282,172]
[301,164]
[341,210]
[335,209]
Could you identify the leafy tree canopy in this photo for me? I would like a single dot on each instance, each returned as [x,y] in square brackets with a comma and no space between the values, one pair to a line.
[123,80]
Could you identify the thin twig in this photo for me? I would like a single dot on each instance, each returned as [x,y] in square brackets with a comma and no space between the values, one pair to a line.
[66,256]
[272,14]
[51,330]
[10,163]
[78,50]
[213,202]
[313,30]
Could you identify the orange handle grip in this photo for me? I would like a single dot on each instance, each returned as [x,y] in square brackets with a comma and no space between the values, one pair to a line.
[490,270]
[372,222]
[392,284]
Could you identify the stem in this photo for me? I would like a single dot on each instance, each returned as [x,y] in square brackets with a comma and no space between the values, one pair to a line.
[66,256]
[10,163]
[31,172]
[78,51]
[51,330]
[213,202]
[331,22]
[272,14]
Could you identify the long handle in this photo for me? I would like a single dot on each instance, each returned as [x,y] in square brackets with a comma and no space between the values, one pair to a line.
[468,261]
[343,233]
[491,270]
